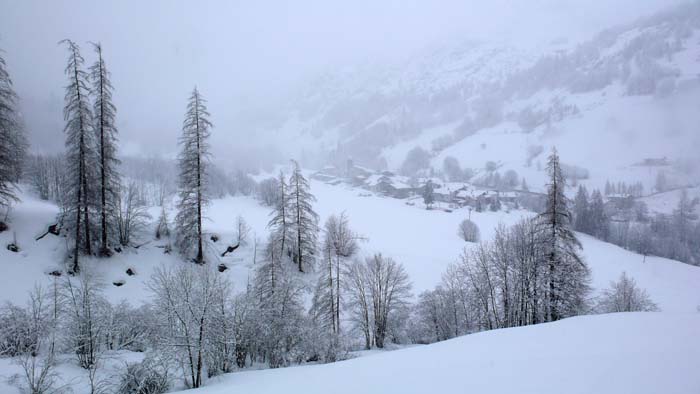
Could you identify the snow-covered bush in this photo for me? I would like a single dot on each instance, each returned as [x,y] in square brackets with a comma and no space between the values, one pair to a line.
[16,334]
[32,340]
[468,231]
[625,296]
[146,377]
[85,322]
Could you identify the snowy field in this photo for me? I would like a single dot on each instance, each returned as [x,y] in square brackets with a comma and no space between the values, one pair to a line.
[425,242]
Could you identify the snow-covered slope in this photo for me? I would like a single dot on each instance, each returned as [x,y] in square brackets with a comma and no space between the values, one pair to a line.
[616,353]
[425,242]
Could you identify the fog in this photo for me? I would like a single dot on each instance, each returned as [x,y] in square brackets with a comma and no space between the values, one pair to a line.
[248,58]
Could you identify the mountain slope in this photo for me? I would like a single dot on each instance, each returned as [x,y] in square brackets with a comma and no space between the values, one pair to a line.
[607,103]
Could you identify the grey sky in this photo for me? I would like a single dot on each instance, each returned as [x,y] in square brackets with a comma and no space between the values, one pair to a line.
[246,55]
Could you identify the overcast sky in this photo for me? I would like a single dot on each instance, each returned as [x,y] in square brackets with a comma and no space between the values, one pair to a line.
[248,54]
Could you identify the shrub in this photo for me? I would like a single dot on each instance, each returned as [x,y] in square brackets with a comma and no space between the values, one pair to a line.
[146,377]
[468,231]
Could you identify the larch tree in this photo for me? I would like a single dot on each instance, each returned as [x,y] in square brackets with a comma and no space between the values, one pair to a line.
[339,244]
[281,221]
[193,160]
[13,143]
[80,154]
[304,219]
[567,273]
[104,113]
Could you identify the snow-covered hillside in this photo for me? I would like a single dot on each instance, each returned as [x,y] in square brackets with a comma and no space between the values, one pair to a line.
[606,104]
[615,353]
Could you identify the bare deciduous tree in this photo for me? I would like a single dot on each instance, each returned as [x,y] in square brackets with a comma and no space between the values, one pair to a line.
[378,288]
[625,296]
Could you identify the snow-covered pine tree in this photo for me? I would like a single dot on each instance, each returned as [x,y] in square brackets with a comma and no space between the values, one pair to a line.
[281,221]
[567,274]
[279,310]
[192,160]
[581,211]
[661,183]
[608,188]
[323,306]
[13,142]
[598,219]
[104,113]
[80,155]
[428,194]
[304,219]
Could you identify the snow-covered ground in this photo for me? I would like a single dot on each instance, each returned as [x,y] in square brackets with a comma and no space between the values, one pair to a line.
[425,242]
[585,354]
[615,353]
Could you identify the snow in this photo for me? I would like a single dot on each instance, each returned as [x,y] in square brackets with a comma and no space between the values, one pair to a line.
[666,202]
[616,353]
[673,286]
[424,241]
[585,354]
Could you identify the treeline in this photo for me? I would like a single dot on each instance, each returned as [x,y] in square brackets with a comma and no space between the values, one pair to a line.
[627,222]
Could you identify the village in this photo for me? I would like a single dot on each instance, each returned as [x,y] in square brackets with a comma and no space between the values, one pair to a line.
[446,195]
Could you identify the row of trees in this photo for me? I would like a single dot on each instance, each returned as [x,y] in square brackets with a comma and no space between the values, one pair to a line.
[294,223]
[529,273]
[97,210]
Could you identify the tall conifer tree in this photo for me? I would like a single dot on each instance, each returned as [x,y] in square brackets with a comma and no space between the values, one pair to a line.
[13,142]
[104,113]
[193,161]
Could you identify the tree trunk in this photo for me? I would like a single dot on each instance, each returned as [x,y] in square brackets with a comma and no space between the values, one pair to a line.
[200,254]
